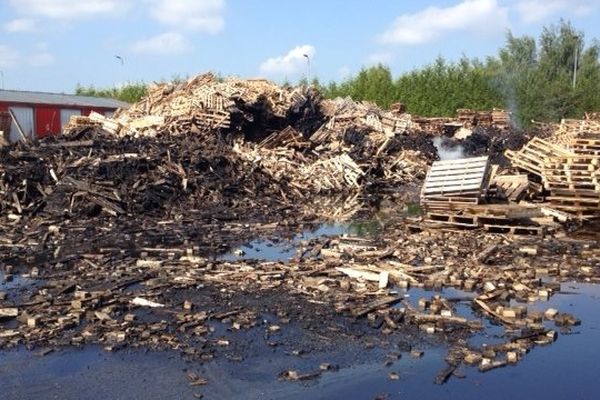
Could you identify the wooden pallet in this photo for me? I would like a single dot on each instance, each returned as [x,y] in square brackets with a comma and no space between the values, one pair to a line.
[516,229]
[456,180]
[579,202]
[513,187]
[577,212]
[575,192]
[465,218]
[535,154]
[505,216]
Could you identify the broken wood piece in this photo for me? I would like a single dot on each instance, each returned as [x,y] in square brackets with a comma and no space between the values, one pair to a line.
[139,301]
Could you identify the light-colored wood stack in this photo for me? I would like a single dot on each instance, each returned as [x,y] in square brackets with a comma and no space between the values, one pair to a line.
[466,116]
[344,113]
[108,124]
[289,137]
[534,154]
[586,144]
[305,176]
[79,122]
[501,118]
[571,175]
[513,187]
[574,184]
[205,103]
[570,129]
[454,196]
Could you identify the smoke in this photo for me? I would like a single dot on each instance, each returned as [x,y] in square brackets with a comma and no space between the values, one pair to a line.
[504,83]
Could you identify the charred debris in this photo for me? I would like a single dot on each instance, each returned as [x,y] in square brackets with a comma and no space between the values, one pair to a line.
[112,228]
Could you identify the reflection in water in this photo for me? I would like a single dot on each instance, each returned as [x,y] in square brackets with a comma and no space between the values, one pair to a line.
[567,369]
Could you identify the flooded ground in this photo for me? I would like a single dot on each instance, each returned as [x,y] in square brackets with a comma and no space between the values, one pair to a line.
[566,369]
[251,367]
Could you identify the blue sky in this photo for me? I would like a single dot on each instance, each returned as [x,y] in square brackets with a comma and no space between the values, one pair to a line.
[52,45]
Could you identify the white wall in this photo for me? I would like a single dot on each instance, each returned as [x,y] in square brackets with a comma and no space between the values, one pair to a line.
[65,115]
[24,116]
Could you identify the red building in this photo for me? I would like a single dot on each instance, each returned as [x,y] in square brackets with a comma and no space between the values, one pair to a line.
[40,114]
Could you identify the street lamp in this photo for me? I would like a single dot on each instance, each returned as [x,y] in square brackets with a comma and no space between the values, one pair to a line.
[307,68]
[575,61]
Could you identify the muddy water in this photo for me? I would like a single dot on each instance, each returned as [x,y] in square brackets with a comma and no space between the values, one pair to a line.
[565,369]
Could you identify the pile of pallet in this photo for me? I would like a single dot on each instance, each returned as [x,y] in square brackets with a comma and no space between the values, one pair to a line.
[570,129]
[501,118]
[471,118]
[345,113]
[455,195]
[570,175]
[205,104]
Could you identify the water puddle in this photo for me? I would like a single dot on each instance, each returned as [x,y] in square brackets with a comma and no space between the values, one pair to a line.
[282,249]
[565,369]
[14,281]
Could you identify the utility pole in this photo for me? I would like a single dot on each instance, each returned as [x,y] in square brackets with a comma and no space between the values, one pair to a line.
[2,75]
[575,61]
[307,69]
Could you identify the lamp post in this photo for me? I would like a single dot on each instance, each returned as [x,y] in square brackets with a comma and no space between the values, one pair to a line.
[575,61]
[307,69]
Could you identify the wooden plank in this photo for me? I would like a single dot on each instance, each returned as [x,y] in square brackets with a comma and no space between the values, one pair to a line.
[445,178]
[463,161]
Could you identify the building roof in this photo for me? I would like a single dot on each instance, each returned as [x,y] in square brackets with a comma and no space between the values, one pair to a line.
[17,96]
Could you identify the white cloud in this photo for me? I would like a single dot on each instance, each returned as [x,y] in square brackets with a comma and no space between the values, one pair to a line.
[20,25]
[531,11]
[198,15]
[69,9]
[8,57]
[432,22]
[169,43]
[293,62]
[384,57]
[41,59]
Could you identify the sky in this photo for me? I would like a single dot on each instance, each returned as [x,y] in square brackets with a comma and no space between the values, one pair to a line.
[53,45]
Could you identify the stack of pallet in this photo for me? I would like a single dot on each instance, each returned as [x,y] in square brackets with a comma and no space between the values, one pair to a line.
[467,116]
[78,122]
[570,175]
[573,183]
[455,195]
[570,129]
[501,118]
[586,144]
[534,154]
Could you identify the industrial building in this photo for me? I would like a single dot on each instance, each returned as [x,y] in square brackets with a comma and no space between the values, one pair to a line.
[41,114]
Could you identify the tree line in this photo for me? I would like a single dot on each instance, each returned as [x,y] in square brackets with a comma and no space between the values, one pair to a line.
[554,76]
